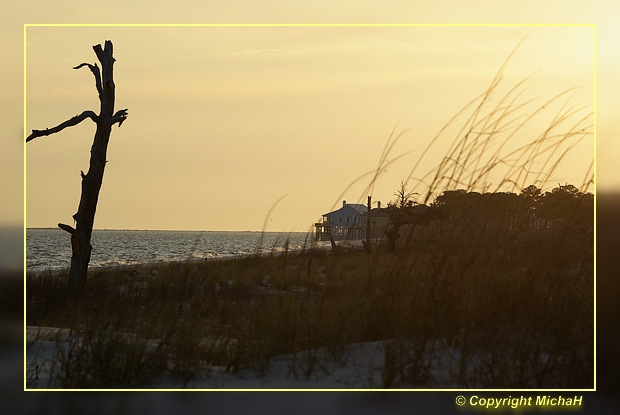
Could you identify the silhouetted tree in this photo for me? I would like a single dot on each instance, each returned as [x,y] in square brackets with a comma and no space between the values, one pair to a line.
[450,204]
[403,197]
[92,180]
[529,201]
[568,207]
[404,211]
[531,193]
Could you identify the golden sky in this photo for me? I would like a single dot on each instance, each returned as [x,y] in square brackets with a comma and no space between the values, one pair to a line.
[224,121]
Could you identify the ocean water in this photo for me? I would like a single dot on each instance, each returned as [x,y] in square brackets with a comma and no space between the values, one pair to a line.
[50,249]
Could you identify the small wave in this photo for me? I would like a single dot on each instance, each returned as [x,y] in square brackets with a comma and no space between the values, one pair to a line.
[112,263]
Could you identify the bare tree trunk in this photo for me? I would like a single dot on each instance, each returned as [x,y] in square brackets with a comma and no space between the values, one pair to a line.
[92,180]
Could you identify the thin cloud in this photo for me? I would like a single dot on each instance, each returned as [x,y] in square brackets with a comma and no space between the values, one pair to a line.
[261,52]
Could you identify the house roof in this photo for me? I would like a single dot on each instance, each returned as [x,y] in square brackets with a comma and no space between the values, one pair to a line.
[359,207]
[352,208]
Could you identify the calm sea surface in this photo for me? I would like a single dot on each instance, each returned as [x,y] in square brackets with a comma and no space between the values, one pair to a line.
[50,249]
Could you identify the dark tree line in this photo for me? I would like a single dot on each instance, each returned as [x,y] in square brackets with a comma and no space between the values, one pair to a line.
[563,208]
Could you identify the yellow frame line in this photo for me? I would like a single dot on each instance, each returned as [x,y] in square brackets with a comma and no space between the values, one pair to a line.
[26,25]
[309,25]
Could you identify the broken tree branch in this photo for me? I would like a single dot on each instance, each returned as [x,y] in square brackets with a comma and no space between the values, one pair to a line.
[95,70]
[69,123]
[119,117]
[67,228]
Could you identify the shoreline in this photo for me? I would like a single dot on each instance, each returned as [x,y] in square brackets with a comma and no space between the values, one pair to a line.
[49,254]
[323,246]
[95,269]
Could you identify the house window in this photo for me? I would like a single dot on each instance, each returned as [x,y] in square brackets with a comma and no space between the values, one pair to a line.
[339,218]
[348,219]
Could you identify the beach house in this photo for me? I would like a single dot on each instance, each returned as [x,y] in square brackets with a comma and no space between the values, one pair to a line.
[346,223]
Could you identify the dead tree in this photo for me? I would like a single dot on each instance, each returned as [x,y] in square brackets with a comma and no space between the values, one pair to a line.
[91,181]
